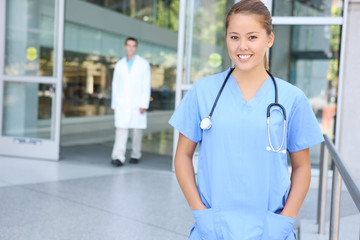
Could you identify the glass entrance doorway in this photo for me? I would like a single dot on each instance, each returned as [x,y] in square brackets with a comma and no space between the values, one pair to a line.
[31,69]
[94,38]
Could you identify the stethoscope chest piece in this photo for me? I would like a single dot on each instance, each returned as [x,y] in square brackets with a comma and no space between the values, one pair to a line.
[205,123]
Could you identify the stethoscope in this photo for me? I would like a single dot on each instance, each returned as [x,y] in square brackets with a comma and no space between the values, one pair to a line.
[205,123]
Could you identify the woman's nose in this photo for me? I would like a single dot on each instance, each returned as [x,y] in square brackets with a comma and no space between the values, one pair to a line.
[243,45]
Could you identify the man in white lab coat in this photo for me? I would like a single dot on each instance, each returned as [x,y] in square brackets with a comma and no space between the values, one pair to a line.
[130,99]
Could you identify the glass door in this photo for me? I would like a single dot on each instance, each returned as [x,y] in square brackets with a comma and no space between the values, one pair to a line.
[31,67]
[201,45]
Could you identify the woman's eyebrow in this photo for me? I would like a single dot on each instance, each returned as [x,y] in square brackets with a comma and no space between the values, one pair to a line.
[251,33]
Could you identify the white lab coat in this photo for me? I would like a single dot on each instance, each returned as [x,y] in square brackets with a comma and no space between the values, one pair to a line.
[130,92]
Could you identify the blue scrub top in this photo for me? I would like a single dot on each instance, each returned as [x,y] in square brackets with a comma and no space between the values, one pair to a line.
[243,185]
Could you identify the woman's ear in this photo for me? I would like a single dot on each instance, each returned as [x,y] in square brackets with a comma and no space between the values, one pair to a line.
[271,38]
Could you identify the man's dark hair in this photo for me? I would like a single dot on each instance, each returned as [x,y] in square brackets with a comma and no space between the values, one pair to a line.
[131,39]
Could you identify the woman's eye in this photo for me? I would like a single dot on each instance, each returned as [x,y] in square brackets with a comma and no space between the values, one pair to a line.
[233,37]
[253,37]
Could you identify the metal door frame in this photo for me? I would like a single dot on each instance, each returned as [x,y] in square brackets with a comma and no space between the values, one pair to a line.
[33,147]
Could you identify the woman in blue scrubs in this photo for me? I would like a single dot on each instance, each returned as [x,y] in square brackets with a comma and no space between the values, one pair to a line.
[243,189]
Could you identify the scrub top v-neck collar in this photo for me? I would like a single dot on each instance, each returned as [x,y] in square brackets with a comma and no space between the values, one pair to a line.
[264,89]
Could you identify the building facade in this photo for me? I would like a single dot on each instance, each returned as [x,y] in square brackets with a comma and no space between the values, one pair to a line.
[57,58]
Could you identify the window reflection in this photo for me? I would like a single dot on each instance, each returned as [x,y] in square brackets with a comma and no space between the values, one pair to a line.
[29,34]
[90,54]
[86,85]
[160,13]
[309,8]
[28,110]
[310,61]
[88,79]
[206,51]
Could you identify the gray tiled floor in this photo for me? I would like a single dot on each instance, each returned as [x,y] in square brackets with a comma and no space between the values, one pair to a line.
[84,197]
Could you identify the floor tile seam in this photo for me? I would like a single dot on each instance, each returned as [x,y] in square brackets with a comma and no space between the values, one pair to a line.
[350,215]
[12,184]
[101,210]
[9,184]
[142,169]
[167,172]
[327,220]
[132,167]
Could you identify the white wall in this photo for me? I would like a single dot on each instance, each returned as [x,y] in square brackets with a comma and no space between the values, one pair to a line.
[349,130]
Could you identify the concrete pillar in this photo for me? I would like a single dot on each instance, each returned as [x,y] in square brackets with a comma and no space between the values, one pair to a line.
[349,119]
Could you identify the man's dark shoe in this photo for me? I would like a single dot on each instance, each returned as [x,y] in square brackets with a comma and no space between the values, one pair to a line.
[134,160]
[116,163]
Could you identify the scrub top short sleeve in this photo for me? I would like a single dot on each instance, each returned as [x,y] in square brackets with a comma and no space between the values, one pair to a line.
[186,118]
[303,128]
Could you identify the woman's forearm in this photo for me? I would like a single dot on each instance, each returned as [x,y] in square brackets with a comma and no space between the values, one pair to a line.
[185,172]
[186,177]
[300,182]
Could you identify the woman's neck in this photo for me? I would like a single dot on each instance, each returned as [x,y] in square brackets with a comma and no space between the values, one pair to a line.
[252,77]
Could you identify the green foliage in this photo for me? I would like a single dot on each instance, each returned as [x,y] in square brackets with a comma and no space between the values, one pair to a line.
[334,63]
[336,11]
[209,23]
[167,14]
[335,38]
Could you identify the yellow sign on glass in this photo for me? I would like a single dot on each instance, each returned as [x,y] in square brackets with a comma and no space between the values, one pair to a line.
[215,60]
[31,53]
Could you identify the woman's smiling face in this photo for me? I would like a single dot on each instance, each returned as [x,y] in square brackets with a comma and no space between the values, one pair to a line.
[247,41]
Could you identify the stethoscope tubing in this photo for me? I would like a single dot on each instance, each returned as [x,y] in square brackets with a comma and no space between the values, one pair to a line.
[206,122]
[219,93]
[276,103]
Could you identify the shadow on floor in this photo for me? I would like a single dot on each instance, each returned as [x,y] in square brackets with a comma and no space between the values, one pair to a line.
[99,154]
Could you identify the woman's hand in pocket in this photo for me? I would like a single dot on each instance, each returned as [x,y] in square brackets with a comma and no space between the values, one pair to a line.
[277,227]
[204,223]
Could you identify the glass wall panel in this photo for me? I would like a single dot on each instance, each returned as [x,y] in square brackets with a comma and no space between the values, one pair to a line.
[308,57]
[90,55]
[309,8]
[205,50]
[86,86]
[160,13]
[30,34]
[89,66]
[28,110]
[159,142]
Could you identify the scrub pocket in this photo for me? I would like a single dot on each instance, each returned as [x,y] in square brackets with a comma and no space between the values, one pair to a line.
[204,225]
[278,227]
